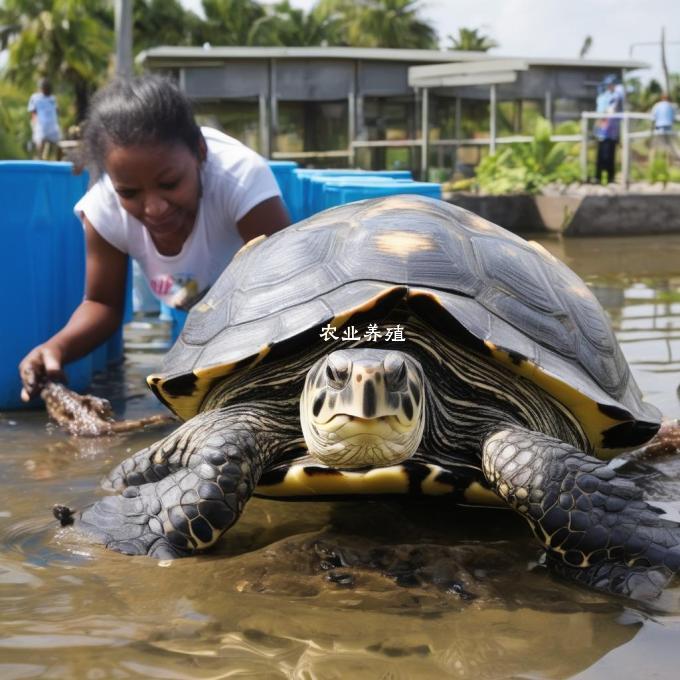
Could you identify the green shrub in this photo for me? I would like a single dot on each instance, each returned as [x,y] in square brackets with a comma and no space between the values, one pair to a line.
[527,168]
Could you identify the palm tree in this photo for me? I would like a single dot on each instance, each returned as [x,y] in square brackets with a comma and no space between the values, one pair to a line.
[68,41]
[382,23]
[471,40]
[286,26]
[231,22]
[163,22]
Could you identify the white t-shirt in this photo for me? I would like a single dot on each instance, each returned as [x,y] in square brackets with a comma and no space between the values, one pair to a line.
[46,125]
[234,180]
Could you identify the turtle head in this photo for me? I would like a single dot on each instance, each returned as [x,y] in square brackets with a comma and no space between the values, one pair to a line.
[363,407]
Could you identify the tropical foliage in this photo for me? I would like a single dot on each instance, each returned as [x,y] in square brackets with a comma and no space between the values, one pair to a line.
[284,25]
[72,41]
[526,168]
[382,23]
[68,41]
[471,40]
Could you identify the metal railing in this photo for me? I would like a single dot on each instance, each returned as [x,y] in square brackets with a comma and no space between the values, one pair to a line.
[584,137]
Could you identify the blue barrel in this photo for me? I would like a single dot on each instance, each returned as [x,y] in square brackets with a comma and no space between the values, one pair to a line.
[284,172]
[176,317]
[42,266]
[342,191]
[306,203]
[317,184]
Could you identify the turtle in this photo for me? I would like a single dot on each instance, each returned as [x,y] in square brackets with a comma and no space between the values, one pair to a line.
[400,346]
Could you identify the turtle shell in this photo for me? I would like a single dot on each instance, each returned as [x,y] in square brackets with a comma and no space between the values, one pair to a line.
[524,308]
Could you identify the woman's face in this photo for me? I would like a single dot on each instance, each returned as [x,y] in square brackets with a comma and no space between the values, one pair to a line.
[160,185]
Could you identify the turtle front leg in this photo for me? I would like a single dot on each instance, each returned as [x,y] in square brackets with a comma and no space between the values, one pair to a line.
[182,493]
[595,526]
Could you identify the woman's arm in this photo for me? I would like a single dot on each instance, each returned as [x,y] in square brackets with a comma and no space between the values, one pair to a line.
[93,321]
[265,218]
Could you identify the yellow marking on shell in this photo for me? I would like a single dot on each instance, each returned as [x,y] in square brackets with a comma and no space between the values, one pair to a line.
[298,482]
[481,224]
[341,319]
[400,242]
[543,251]
[581,290]
[205,306]
[592,420]
[249,244]
[476,494]
[433,487]
[187,406]
[387,205]
[421,292]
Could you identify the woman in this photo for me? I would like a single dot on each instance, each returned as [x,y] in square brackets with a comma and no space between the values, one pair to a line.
[179,199]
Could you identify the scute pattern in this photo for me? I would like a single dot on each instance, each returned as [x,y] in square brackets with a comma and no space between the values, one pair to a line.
[495,284]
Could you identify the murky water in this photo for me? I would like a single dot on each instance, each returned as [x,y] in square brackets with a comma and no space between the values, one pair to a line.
[429,592]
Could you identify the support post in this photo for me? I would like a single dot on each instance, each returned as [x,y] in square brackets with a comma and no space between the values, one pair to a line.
[457,132]
[625,151]
[273,108]
[584,149]
[492,119]
[352,117]
[548,106]
[263,118]
[425,134]
[122,18]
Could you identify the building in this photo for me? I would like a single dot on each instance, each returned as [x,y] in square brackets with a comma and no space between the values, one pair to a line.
[377,108]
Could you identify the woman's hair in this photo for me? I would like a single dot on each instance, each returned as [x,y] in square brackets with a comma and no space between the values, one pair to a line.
[143,110]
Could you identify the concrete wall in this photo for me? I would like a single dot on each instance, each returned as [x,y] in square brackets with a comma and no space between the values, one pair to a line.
[574,215]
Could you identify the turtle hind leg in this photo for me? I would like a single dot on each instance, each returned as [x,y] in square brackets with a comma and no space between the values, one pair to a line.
[595,526]
[210,477]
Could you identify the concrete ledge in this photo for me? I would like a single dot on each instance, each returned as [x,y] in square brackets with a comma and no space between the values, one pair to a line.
[626,215]
[517,213]
[578,215]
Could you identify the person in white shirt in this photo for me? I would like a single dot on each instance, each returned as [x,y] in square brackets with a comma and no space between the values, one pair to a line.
[179,199]
[44,121]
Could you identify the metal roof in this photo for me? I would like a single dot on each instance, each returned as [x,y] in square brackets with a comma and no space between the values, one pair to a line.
[183,54]
[169,55]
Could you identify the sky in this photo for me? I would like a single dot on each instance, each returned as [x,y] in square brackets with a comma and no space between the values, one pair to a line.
[557,28]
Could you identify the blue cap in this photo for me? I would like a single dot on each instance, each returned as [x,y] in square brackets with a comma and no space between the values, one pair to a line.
[609,80]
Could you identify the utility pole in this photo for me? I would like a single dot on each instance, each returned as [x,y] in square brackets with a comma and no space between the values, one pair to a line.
[664,64]
[123,30]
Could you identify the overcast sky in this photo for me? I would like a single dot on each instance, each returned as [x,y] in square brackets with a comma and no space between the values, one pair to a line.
[557,28]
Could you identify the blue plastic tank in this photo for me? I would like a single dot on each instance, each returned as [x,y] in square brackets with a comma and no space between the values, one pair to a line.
[284,172]
[42,268]
[343,190]
[306,202]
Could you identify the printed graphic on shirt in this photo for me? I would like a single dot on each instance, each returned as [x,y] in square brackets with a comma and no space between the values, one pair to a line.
[179,291]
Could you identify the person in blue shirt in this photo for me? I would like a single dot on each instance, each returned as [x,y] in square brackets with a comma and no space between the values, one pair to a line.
[663,116]
[607,129]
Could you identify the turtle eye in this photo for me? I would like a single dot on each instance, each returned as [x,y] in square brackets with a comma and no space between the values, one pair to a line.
[395,372]
[337,372]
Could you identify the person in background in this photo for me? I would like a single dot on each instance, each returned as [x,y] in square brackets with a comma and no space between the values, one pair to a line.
[179,199]
[42,106]
[663,116]
[607,129]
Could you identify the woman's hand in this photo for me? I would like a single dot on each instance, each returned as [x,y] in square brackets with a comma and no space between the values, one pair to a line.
[41,364]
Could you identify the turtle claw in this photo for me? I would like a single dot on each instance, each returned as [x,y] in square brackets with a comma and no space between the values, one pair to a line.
[130,524]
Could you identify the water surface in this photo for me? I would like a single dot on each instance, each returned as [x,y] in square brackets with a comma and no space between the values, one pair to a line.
[428,592]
